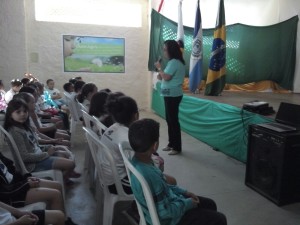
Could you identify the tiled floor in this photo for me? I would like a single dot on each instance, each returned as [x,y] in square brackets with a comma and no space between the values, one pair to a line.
[199,169]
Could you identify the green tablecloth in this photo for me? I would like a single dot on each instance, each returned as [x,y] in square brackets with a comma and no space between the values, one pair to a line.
[219,125]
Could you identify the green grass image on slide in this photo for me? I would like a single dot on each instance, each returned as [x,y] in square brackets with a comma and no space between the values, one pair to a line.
[99,49]
[77,65]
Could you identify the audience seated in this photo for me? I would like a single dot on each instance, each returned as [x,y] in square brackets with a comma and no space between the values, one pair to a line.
[14,216]
[87,92]
[124,111]
[97,109]
[3,104]
[42,107]
[35,159]
[68,87]
[174,205]
[16,85]
[19,190]
[78,86]
[54,93]
[48,129]
[25,81]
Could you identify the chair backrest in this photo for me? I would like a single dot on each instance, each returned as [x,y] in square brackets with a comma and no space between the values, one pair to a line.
[98,150]
[88,119]
[100,126]
[20,166]
[127,154]
[82,107]
[73,107]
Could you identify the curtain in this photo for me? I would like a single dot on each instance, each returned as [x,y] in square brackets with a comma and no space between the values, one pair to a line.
[253,54]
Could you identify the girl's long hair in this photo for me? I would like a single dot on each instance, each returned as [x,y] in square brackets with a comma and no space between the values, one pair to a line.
[86,89]
[12,106]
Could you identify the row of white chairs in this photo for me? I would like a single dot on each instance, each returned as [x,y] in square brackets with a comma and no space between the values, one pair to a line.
[93,160]
[98,149]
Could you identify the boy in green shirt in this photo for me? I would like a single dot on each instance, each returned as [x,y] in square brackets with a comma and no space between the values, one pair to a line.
[174,205]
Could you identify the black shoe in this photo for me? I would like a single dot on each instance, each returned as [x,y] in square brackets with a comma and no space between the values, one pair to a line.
[69,222]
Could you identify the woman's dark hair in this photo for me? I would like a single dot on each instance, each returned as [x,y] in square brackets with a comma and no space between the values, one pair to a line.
[25,81]
[1,83]
[67,86]
[39,85]
[78,85]
[86,89]
[12,106]
[174,51]
[122,109]
[72,80]
[24,96]
[143,134]
[97,105]
[28,89]
[114,95]
[107,90]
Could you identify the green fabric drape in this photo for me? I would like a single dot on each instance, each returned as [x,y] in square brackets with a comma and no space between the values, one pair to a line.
[221,126]
[252,53]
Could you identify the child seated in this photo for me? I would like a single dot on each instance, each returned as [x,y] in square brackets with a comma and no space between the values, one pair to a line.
[19,190]
[86,94]
[35,159]
[14,216]
[174,205]
[124,111]
[16,85]
[54,93]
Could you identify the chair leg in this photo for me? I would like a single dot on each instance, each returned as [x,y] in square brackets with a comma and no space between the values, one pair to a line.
[108,211]
[73,128]
[99,195]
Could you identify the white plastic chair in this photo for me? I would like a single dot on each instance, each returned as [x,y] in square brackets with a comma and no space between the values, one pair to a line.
[75,117]
[88,161]
[99,150]
[83,107]
[88,119]
[20,166]
[100,126]
[127,154]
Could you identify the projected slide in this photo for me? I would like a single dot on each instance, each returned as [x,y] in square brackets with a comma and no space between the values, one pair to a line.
[93,54]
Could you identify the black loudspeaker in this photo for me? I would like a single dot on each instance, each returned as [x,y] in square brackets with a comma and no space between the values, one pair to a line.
[273,164]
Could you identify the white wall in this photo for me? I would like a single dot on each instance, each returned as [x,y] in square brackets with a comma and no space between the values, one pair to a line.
[255,12]
[12,41]
[25,37]
[289,8]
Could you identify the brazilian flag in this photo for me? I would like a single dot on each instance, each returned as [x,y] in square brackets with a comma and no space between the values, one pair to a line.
[215,80]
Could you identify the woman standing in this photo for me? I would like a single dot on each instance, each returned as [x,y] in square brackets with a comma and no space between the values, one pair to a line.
[171,89]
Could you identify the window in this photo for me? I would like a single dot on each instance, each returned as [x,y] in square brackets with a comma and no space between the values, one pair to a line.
[98,12]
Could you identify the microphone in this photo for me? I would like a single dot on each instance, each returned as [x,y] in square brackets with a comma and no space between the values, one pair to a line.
[159,60]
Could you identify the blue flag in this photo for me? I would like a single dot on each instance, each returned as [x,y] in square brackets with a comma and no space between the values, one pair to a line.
[195,72]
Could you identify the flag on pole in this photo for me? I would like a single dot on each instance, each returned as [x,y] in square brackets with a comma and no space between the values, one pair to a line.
[160,5]
[180,30]
[215,81]
[195,73]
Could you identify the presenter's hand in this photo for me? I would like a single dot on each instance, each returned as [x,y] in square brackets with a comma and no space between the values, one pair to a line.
[157,65]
